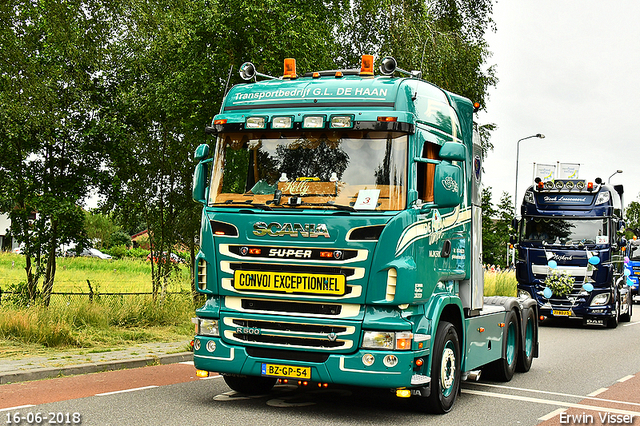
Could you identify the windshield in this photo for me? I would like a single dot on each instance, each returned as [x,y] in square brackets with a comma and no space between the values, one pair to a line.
[634,250]
[358,170]
[564,231]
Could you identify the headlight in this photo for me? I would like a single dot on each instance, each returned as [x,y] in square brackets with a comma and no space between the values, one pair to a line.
[524,294]
[206,327]
[387,340]
[603,197]
[528,197]
[600,299]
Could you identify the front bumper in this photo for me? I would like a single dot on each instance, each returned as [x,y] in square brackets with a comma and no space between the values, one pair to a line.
[347,369]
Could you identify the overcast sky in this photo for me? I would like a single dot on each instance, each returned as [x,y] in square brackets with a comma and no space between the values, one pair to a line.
[568,69]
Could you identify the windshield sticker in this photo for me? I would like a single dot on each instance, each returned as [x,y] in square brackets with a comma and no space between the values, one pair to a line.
[602,239]
[367,199]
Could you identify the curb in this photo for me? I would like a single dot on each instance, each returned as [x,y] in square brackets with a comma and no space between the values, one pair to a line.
[51,372]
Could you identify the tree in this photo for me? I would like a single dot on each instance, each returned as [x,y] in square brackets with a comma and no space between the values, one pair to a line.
[632,217]
[503,228]
[50,72]
[490,240]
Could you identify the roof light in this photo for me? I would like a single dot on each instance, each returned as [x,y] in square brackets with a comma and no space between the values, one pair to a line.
[313,122]
[367,65]
[590,186]
[387,119]
[338,74]
[282,123]
[341,122]
[580,185]
[316,74]
[290,68]
[256,123]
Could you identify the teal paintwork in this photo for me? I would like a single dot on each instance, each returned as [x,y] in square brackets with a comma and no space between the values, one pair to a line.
[402,281]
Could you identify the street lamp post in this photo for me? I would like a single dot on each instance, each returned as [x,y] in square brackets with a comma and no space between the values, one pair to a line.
[614,173]
[515,194]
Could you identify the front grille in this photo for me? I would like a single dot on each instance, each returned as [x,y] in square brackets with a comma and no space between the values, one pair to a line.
[290,335]
[290,341]
[291,307]
[318,357]
[295,327]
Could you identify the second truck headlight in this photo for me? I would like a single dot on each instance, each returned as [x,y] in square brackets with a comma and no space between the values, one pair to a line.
[389,340]
[206,327]
[600,299]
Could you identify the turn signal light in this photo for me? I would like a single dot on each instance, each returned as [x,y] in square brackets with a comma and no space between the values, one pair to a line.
[387,119]
[403,393]
[481,329]
[202,373]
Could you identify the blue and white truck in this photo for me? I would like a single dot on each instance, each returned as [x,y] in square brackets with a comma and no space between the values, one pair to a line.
[574,227]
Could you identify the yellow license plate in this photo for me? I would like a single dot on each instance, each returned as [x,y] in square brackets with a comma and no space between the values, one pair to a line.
[289,371]
[562,313]
[286,282]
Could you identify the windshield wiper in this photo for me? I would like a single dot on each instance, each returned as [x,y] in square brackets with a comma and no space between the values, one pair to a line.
[231,203]
[299,202]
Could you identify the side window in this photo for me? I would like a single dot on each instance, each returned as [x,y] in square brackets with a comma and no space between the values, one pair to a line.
[426,172]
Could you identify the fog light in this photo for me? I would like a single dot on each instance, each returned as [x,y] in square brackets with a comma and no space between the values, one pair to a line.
[211,346]
[368,359]
[196,344]
[390,361]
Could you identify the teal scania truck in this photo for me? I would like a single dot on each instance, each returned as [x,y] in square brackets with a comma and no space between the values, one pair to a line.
[341,239]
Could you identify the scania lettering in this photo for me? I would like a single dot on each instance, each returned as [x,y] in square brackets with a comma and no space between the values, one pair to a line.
[341,223]
[574,227]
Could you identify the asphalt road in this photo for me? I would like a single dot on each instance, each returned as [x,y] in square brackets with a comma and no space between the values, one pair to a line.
[576,367]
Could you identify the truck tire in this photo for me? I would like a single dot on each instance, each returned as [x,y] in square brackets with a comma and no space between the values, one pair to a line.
[529,339]
[627,316]
[613,321]
[250,385]
[445,369]
[502,369]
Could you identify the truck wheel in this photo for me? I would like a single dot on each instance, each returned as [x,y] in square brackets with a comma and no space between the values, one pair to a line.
[250,385]
[626,317]
[502,369]
[525,356]
[613,322]
[445,369]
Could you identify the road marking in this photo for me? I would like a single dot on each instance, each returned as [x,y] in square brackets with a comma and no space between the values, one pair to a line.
[19,407]
[552,402]
[552,414]
[186,363]
[556,393]
[631,323]
[126,390]
[625,378]
[598,392]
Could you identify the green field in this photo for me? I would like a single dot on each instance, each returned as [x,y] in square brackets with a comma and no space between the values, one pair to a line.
[125,275]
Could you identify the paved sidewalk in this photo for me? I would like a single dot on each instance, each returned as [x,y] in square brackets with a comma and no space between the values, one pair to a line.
[62,364]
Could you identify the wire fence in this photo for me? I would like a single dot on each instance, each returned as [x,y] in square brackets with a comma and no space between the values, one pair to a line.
[111,299]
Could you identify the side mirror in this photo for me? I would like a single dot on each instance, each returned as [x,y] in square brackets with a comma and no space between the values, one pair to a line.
[447,184]
[453,151]
[202,152]
[200,174]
